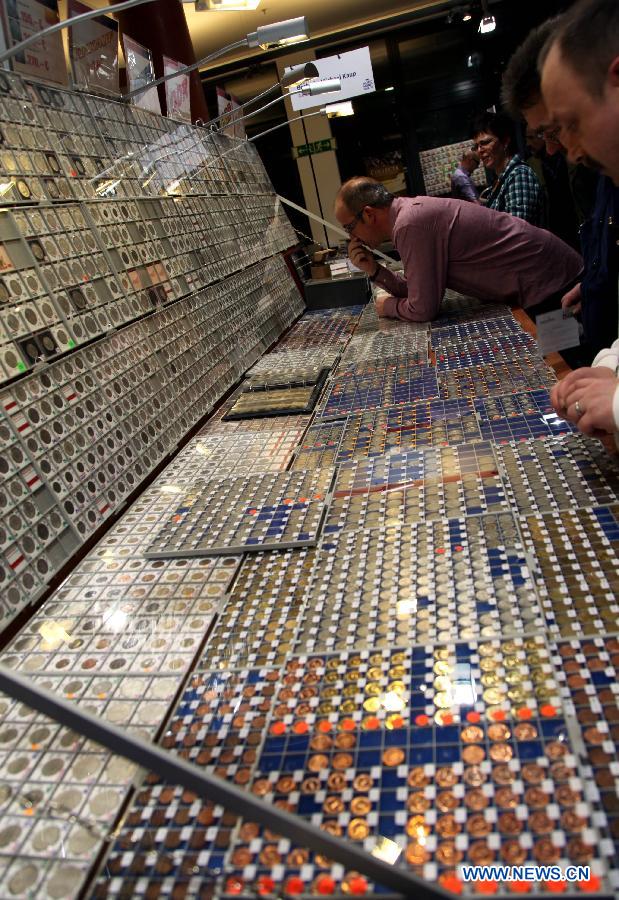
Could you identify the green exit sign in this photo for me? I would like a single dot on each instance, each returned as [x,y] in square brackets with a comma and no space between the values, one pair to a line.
[314,147]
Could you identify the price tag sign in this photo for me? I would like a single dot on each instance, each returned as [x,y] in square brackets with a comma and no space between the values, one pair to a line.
[178,102]
[93,48]
[45,58]
[554,332]
[140,72]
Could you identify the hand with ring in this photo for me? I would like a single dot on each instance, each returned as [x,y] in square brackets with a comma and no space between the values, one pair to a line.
[586,397]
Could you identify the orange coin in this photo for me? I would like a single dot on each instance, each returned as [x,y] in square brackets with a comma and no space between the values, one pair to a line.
[393,756]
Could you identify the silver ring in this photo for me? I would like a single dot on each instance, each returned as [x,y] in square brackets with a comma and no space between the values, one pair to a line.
[579,411]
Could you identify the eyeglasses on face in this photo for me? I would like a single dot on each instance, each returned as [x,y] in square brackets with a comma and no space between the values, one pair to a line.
[548,133]
[349,227]
[485,142]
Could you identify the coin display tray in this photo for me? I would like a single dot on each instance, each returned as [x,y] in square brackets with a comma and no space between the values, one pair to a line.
[266,401]
[519,417]
[501,349]
[257,625]
[458,310]
[257,512]
[403,584]
[376,346]
[319,447]
[494,379]
[402,488]
[320,329]
[355,394]
[280,362]
[216,453]
[569,472]
[412,746]
[393,364]
[458,335]
[587,679]
[575,557]
[406,427]
[296,377]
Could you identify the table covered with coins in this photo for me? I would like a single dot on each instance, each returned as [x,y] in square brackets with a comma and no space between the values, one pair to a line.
[394,616]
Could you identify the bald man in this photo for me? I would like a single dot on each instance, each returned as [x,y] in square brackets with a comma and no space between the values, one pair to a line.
[462,187]
[451,244]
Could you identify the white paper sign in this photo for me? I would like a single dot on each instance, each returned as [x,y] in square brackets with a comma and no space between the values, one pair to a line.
[229,108]
[93,48]
[554,332]
[354,69]
[178,101]
[45,58]
[140,71]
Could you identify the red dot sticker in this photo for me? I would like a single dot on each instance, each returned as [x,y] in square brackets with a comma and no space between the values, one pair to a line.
[357,885]
[348,725]
[300,727]
[422,720]
[486,887]
[440,550]
[555,887]
[525,713]
[266,885]
[499,715]
[294,886]
[234,886]
[325,726]
[325,885]
[448,719]
[520,887]
[278,728]
[592,886]
[396,722]
[548,711]
[372,723]
[473,716]
[451,883]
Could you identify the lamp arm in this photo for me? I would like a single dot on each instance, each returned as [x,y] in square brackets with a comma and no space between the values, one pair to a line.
[67,23]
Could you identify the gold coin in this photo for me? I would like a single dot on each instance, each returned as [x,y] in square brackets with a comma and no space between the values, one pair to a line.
[358,829]
[393,756]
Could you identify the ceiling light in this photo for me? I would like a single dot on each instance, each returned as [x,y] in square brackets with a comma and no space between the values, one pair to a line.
[487,24]
[279,34]
[390,88]
[466,17]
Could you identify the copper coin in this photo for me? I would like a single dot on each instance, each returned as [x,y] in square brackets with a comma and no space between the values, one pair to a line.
[480,853]
[477,825]
[446,801]
[536,798]
[473,754]
[317,762]
[249,831]
[269,855]
[571,822]
[555,750]
[445,777]
[360,806]
[418,778]
[394,756]
[476,800]
[363,782]
[297,857]
[503,775]
[261,787]
[447,826]
[472,734]
[241,857]
[321,742]
[513,853]
[358,829]
[474,776]
[524,731]
[566,796]
[447,854]
[560,772]
[310,786]
[344,740]
[508,823]
[578,852]
[498,732]
[416,827]
[333,806]
[532,773]
[501,752]
[336,782]
[594,736]
[332,828]
[544,851]
[342,761]
[505,798]
[416,854]
[419,803]
[285,785]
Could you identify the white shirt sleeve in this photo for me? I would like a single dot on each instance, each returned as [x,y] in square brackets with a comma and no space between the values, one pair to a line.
[609,358]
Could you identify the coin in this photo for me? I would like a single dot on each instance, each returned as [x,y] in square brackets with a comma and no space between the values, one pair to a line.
[501,752]
[478,826]
[498,732]
[505,798]
[419,803]
[447,826]
[333,806]
[544,851]
[416,854]
[447,854]
[310,786]
[336,781]
[321,742]
[508,823]
[418,778]
[472,734]
[480,853]
[555,750]
[474,776]
[393,756]
[445,801]
[476,800]
[358,829]
[445,777]
[473,754]
[513,853]
[317,762]
[362,782]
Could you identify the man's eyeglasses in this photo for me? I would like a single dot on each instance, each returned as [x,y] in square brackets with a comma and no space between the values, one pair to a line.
[349,227]
[548,133]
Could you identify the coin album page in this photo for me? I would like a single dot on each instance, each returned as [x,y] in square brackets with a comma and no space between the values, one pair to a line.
[356,567]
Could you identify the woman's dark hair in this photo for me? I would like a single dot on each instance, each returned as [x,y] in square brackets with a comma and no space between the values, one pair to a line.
[497,124]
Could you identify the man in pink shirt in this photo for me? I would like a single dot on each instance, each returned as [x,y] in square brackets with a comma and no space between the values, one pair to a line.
[451,244]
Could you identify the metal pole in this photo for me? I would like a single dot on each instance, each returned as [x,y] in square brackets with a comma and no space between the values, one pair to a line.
[175,770]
